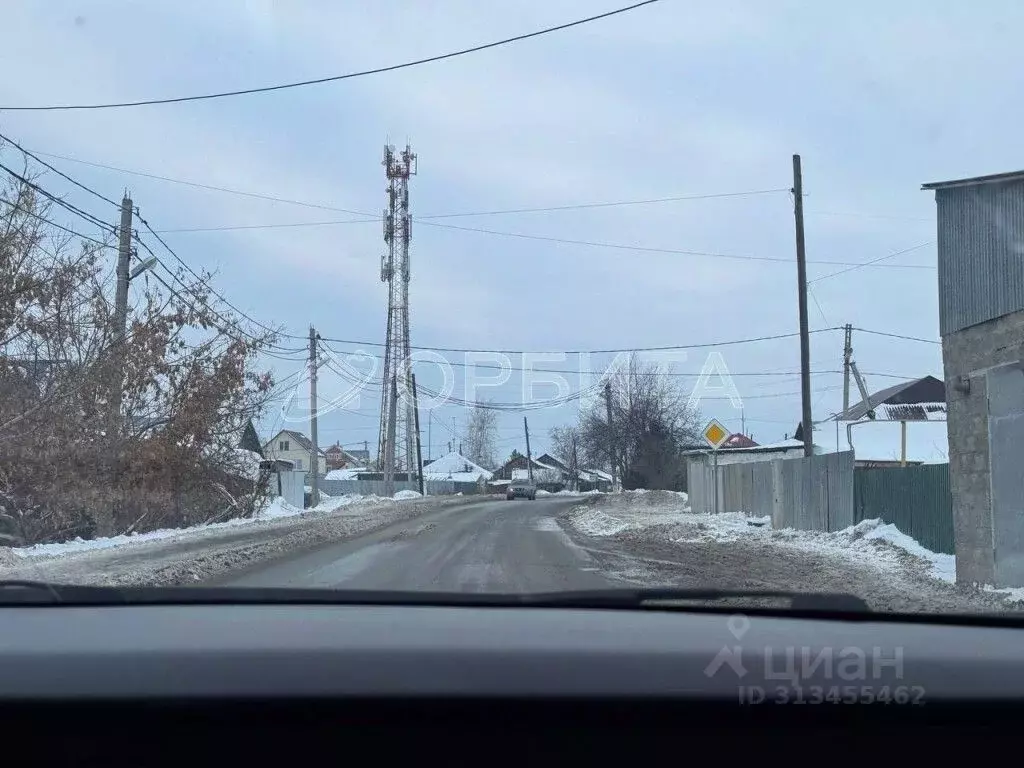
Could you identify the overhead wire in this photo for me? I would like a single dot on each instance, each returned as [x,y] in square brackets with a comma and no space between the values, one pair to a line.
[875,262]
[897,336]
[60,173]
[331,78]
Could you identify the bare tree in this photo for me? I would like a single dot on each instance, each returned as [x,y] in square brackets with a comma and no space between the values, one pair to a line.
[68,466]
[651,424]
[567,444]
[482,436]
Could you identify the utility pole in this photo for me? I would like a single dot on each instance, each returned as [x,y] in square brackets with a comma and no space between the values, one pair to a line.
[124,258]
[575,468]
[314,454]
[529,461]
[430,435]
[416,419]
[847,355]
[611,432]
[805,337]
[389,440]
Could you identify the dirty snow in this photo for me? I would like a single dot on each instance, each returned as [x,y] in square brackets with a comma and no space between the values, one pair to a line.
[653,537]
[407,494]
[276,509]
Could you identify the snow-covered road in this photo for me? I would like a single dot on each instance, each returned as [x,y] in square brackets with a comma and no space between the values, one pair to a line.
[190,556]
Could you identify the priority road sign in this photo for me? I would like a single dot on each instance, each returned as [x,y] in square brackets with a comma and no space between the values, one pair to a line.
[715,434]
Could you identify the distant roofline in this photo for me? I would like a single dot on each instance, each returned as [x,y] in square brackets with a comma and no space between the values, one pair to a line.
[993,178]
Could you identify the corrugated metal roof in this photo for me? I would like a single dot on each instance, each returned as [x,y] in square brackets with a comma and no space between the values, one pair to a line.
[980,249]
[907,401]
[992,178]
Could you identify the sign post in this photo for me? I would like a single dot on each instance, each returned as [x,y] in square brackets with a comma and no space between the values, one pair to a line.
[715,435]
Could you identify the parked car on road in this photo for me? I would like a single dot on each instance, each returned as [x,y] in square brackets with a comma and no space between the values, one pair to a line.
[525,489]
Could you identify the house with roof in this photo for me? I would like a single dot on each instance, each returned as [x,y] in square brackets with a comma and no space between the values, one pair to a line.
[456,467]
[289,445]
[340,458]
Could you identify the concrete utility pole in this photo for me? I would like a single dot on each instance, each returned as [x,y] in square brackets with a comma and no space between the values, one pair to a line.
[805,337]
[847,356]
[419,449]
[124,258]
[611,432]
[529,460]
[314,454]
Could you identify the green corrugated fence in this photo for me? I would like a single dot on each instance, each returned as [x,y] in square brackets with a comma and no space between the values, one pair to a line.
[914,499]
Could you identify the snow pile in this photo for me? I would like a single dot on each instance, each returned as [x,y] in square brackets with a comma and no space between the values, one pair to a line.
[407,494]
[869,542]
[276,509]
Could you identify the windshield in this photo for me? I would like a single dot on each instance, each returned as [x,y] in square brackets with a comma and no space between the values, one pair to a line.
[729,290]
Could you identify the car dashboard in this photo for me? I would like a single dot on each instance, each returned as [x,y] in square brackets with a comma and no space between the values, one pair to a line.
[137,684]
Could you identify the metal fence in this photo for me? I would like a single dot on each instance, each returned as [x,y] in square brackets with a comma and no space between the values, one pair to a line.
[916,500]
[812,493]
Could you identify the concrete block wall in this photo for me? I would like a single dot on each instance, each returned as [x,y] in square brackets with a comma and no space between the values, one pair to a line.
[970,353]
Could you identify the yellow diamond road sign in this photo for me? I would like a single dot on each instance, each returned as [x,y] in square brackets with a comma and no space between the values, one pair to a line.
[715,434]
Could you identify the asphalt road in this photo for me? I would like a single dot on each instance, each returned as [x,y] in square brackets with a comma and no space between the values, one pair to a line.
[490,546]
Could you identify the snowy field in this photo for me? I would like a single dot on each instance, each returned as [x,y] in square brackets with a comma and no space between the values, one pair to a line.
[653,537]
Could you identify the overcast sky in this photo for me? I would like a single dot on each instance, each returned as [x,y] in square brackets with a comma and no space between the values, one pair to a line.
[678,98]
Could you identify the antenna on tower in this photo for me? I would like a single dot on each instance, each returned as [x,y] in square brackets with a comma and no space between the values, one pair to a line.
[397,413]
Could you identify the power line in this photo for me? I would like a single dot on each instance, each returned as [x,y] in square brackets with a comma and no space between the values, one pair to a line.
[77,183]
[543,209]
[55,224]
[646,249]
[874,262]
[202,280]
[373,217]
[853,214]
[333,78]
[208,187]
[897,336]
[427,220]
[104,226]
[668,348]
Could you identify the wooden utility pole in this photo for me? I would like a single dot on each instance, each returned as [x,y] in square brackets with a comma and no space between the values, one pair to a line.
[847,356]
[416,420]
[529,460]
[314,453]
[611,431]
[805,338]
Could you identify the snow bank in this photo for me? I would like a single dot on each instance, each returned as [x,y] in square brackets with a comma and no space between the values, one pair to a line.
[870,542]
[542,492]
[276,509]
[407,494]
